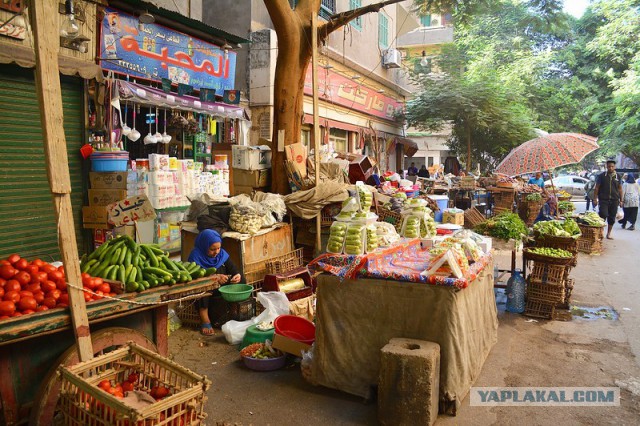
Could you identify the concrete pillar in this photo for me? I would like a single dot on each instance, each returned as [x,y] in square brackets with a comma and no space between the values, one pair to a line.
[409,382]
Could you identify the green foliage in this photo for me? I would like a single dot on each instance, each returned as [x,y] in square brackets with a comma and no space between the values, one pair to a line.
[505,226]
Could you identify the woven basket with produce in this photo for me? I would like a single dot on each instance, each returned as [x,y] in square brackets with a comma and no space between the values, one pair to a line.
[566,207]
[549,255]
[529,206]
[505,226]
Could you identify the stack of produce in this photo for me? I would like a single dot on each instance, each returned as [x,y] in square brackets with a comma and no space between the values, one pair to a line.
[505,226]
[365,198]
[387,234]
[558,228]
[563,195]
[592,229]
[139,266]
[355,240]
[36,286]
[531,189]
[417,219]
[507,182]
[337,235]
[245,221]
[529,206]
[372,238]
[566,207]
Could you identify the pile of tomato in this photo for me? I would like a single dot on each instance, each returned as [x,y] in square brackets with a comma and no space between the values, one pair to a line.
[28,287]
[118,390]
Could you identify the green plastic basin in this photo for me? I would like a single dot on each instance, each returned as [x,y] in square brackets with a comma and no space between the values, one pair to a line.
[254,335]
[236,292]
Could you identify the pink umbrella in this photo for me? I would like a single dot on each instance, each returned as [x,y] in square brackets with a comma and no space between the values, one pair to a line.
[546,153]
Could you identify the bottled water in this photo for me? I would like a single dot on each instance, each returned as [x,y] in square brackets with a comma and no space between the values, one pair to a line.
[515,292]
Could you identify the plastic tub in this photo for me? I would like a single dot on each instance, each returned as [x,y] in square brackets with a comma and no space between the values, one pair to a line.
[108,165]
[443,204]
[295,328]
[264,364]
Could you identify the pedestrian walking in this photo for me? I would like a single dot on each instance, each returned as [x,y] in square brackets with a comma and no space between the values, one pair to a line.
[607,193]
[630,201]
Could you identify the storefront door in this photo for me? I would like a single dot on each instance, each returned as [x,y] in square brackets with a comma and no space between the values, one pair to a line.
[27,216]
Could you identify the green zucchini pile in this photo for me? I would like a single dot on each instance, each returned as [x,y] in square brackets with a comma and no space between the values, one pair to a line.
[139,266]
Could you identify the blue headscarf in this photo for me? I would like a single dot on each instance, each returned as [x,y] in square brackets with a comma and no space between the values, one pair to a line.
[631,178]
[199,254]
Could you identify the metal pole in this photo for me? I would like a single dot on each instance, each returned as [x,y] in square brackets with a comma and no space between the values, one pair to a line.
[316,126]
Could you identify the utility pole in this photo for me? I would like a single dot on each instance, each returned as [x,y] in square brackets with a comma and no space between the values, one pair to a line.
[316,120]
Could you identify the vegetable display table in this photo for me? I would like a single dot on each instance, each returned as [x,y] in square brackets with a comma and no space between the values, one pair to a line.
[33,346]
[356,318]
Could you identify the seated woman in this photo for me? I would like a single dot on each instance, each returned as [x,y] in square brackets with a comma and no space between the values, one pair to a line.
[548,211]
[208,253]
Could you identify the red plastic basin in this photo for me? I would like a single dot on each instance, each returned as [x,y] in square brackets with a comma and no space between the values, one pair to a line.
[295,328]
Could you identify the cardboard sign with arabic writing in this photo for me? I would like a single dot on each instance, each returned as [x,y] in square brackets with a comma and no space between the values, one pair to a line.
[130,210]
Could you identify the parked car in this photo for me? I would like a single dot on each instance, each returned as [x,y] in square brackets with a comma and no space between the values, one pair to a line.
[574,185]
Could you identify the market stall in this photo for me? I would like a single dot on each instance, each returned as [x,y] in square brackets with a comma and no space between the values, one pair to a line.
[364,301]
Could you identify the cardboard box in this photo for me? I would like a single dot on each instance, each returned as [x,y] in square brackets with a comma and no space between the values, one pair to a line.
[108,180]
[289,346]
[454,218]
[252,178]
[104,197]
[251,157]
[95,217]
[297,154]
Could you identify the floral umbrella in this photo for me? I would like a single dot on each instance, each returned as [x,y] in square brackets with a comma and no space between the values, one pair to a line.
[547,152]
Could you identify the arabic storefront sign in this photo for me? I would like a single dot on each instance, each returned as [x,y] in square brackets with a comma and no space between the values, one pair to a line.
[130,210]
[156,52]
[340,90]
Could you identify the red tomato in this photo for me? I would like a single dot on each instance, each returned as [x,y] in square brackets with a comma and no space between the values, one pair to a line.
[105,288]
[49,302]
[47,286]
[27,303]
[32,269]
[90,283]
[39,296]
[1,292]
[2,282]
[98,295]
[87,296]
[38,277]
[34,287]
[16,314]
[7,271]
[54,294]
[48,268]
[56,275]
[62,305]
[127,386]
[13,258]
[37,262]
[98,281]
[26,293]
[12,285]
[64,298]
[42,308]
[21,264]
[7,308]
[162,392]
[23,277]
[4,262]
[4,317]
[12,296]
[61,284]
[105,384]
[28,311]
[133,377]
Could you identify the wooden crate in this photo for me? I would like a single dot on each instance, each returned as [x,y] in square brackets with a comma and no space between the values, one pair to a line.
[391,217]
[285,263]
[83,403]
[473,218]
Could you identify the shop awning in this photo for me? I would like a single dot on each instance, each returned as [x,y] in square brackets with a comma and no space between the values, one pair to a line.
[410,147]
[146,95]
[332,124]
[26,58]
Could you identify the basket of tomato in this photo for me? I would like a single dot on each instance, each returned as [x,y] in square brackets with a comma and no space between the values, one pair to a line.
[27,287]
[131,384]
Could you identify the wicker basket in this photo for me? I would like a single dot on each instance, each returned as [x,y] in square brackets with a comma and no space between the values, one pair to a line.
[82,403]
[545,292]
[592,233]
[473,218]
[467,182]
[539,309]
[328,212]
[284,263]
[188,314]
[589,246]
[546,273]
[391,217]
[529,210]
[529,255]
[565,243]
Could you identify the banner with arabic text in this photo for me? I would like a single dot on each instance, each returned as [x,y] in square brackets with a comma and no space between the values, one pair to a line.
[155,52]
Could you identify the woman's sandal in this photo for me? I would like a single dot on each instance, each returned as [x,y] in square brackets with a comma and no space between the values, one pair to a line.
[206,329]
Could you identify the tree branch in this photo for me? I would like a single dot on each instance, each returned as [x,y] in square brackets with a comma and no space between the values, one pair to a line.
[341,19]
[282,16]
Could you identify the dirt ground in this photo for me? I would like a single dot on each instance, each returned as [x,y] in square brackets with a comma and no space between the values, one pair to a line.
[583,352]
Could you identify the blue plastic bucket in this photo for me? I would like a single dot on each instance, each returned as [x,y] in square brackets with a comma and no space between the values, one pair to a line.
[443,204]
[108,165]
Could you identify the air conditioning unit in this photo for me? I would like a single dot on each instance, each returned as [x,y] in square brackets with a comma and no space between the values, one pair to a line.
[392,58]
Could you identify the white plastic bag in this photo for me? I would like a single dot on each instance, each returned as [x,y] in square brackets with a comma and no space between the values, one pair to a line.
[619,214]
[275,304]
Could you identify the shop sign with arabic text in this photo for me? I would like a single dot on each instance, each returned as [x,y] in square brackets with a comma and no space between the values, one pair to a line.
[340,90]
[155,52]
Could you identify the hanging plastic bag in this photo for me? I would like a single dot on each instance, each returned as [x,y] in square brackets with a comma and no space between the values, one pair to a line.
[275,304]
[620,214]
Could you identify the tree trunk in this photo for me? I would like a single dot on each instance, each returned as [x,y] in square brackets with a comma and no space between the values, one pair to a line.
[468,148]
[288,110]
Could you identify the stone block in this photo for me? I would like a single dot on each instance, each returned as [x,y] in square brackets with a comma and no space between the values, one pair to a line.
[409,382]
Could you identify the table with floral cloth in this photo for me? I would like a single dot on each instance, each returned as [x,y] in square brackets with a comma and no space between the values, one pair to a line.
[401,262]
